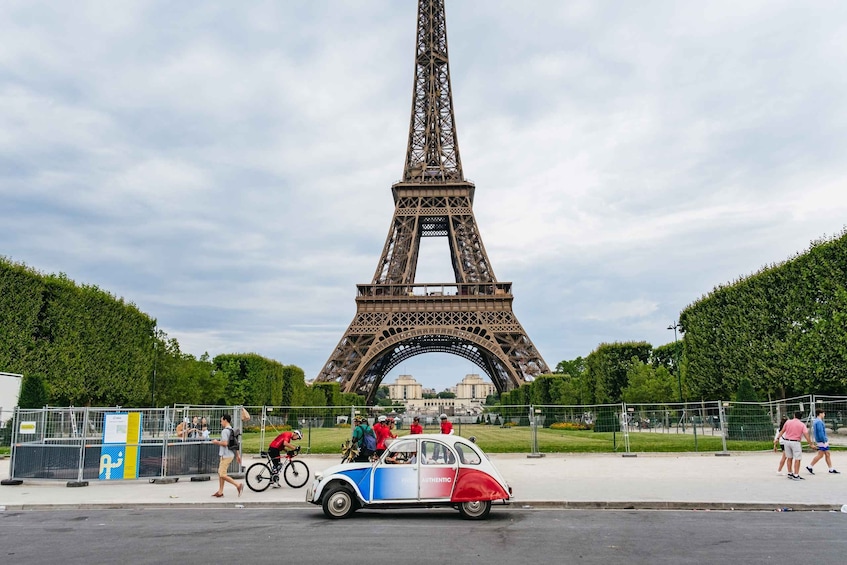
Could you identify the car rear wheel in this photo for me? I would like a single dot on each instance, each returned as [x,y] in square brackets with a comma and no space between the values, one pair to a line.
[339,503]
[476,510]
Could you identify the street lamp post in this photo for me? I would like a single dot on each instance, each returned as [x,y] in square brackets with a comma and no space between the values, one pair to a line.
[674,326]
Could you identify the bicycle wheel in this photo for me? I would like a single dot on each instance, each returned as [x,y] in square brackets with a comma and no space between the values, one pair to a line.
[259,477]
[296,474]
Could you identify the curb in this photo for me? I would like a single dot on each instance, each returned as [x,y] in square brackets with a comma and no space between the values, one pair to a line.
[528,506]
[663,505]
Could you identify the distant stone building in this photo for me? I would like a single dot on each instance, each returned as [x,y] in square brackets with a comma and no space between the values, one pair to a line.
[474,387]
[471,394]
[405,388]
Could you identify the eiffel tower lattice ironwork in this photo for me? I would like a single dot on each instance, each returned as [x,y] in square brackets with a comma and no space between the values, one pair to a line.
[397,318]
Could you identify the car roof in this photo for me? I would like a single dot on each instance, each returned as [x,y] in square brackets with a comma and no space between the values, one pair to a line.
[445,438]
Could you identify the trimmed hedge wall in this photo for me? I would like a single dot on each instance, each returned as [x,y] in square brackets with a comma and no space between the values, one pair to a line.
[90,347]
[785,328]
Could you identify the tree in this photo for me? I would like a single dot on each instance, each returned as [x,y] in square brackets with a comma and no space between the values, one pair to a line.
[608,367]
[33,392]
[746,419]
[647,384]
[543,388]
[573,368]
[446,394]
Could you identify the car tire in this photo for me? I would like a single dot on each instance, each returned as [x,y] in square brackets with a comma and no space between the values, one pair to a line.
[339,503]
[476,510]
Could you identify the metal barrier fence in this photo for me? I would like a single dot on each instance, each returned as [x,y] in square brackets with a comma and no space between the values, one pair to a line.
[79,444]
[74,443]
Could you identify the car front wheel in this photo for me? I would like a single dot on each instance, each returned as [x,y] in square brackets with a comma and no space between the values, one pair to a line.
[476,510]
[339,503]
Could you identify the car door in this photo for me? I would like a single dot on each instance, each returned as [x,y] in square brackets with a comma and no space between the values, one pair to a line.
[438,468]
[395,477]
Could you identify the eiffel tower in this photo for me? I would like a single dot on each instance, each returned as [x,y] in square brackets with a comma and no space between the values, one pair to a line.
[397,318]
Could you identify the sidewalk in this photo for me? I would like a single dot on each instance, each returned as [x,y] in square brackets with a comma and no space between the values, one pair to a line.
[742,481]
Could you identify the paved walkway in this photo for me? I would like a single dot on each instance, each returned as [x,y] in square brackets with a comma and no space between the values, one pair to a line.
[746,481]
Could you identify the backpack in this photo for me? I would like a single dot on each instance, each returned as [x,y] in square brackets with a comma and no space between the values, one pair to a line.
[368,442]
[234,443]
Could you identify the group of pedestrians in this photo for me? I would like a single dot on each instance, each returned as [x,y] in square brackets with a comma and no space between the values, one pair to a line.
[382,433]
[789,438]
[196,428]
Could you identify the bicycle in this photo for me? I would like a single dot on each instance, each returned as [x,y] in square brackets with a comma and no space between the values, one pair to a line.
[262,475]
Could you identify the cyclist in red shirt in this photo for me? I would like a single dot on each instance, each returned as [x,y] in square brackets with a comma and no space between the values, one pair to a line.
[416,427]
[283,441]
[446,425]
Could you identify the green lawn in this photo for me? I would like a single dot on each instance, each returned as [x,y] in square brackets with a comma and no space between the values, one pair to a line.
[494,439]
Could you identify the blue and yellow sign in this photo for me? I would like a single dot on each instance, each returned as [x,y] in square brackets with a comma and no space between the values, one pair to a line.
[119,454]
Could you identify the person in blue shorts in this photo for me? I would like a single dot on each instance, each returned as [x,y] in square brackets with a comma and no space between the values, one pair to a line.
[822,442]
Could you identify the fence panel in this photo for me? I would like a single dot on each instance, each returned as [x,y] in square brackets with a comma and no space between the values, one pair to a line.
[564,428]
[114,443]
[835,418]
[674,426]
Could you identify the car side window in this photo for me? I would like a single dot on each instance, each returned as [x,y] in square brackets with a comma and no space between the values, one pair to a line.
[435,453]
[466,454]
[400,452]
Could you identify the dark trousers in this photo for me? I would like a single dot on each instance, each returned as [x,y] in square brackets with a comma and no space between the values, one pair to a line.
[274,453]
[364,456]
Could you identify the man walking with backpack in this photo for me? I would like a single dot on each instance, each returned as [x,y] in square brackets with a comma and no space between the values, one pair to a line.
[364,437]
[227,455]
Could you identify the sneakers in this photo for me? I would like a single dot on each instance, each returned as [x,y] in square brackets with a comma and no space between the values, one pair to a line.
[834,472]
[810,470]
[794,477]
[276,485]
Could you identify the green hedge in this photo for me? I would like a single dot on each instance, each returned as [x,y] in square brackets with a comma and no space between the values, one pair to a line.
[90,347]
[783,327]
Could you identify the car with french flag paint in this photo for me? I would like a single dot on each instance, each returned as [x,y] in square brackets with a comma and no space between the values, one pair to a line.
[416,471]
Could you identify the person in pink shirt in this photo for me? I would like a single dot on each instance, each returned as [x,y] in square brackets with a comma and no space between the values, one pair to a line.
[446,425]
[794,431]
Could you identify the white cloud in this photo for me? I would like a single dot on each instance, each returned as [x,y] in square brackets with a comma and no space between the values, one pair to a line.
[228,167]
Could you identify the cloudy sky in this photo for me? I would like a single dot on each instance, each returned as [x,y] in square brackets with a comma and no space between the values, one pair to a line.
[227,166]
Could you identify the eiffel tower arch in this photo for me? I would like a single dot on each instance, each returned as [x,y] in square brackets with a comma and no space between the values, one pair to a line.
[398,318]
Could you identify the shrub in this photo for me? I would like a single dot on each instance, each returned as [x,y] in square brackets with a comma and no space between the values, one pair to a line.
[570,426]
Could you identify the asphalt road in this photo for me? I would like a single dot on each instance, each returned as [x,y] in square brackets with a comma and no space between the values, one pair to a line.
[509,536]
